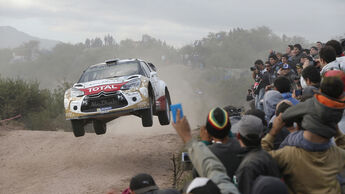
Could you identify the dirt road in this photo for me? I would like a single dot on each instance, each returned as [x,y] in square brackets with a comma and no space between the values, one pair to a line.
[57,162]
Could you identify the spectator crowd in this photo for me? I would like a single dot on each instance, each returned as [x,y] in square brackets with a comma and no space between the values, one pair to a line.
[290,141]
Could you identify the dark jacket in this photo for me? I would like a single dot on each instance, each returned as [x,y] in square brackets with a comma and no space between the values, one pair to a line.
[227,154]
[319,115]
[296,59]
[263,79]
[256,162]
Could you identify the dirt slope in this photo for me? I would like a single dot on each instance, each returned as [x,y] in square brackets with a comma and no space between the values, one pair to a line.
[57,162]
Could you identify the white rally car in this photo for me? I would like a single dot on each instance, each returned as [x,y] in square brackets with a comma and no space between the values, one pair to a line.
[116,88]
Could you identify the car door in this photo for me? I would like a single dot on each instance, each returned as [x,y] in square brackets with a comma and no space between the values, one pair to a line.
[152,75]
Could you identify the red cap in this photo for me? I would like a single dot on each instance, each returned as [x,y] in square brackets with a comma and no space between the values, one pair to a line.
[336,73]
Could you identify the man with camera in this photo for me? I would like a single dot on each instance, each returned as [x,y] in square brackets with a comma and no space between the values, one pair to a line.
[261,77]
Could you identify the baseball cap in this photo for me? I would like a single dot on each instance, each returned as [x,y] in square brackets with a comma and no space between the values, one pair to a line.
[218,123]
[202,185]
[142,183]
[250,124]
[286,66]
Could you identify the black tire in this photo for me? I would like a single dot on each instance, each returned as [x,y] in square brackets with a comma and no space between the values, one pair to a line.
[147,115]
[78,128]
[100,127]
[165,116]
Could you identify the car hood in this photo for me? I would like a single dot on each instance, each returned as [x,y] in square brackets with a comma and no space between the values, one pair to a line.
[104,85]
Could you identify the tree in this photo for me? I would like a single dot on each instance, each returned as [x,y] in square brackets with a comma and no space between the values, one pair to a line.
[96,43]
[87,43]
[109,40]
[28,49]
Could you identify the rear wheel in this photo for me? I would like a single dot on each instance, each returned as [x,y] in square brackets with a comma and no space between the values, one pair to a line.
[100,127]
[78,128]
[164,116]
[146,115]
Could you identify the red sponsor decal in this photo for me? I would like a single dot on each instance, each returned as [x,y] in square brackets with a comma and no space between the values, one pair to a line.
[161,102]
[104,88]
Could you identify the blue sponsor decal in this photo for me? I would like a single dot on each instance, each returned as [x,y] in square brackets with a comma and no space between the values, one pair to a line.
[105,109]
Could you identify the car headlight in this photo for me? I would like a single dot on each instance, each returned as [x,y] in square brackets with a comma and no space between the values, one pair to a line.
[76,93]
[131,84]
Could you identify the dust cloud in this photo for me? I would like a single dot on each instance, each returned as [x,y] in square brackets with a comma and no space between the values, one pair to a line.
[195,104]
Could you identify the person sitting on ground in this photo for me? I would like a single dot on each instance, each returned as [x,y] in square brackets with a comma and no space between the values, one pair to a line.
[310,82]
[310,152]
[283,85]
[204,161]
[256,161]
[216,130]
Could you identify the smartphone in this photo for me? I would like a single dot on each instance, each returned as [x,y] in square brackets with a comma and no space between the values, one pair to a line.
[174,108]
[185,157]
[298,92]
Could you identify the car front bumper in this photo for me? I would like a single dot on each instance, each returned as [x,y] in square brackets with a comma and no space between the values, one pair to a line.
[135,100]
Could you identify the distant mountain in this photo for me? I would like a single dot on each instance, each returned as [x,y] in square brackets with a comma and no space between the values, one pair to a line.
[12,38]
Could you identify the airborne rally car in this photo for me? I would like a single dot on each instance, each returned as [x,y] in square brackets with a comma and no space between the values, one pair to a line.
[116,88]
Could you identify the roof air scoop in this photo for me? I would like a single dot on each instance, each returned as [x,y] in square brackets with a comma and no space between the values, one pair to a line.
[78,85]
[109,61]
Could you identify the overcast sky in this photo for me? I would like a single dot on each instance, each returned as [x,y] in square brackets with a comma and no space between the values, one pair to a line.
[178,22]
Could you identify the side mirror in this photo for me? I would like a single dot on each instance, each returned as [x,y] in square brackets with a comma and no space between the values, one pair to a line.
[153,67]
[153,73]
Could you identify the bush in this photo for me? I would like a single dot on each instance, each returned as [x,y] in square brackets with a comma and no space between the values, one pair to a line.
[40,109]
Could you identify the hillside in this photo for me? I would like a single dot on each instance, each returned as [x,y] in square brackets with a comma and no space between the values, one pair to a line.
[12,38]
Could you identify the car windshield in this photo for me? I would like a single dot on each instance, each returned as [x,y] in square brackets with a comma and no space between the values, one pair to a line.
[110,71]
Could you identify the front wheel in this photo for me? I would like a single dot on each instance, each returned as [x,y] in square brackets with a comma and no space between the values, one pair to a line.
[164,116]
[78,128]
[146,115]
[100,127]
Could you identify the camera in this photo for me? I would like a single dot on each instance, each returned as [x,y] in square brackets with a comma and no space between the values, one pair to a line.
[252,68]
